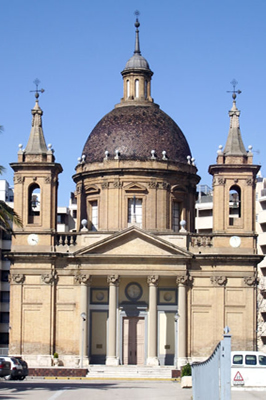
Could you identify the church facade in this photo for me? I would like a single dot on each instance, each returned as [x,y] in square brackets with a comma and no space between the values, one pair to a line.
[133,284]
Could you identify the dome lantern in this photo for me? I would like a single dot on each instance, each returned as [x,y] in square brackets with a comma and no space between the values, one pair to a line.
[137,76]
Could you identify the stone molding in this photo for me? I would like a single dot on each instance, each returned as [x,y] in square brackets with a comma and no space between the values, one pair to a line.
[218,280]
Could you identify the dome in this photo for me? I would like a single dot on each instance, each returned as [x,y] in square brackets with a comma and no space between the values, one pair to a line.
[134,131]
[137,62]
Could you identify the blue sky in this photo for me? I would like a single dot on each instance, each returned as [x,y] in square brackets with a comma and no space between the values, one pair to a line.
[77,48]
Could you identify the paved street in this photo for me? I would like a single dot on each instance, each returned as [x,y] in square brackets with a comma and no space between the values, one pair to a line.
[42,389]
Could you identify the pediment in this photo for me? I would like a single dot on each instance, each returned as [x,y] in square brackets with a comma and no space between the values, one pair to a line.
[91,189]
[135,187]
[134,242]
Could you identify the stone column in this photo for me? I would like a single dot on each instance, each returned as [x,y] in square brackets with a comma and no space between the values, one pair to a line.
[84,281]
[152,321]
[112,358]
[182,282]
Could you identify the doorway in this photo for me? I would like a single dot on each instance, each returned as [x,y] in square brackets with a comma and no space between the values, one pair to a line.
[133,340]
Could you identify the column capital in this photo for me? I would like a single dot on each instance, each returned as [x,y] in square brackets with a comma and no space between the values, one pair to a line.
[82,279]
[153,280]
[113,279]
[184,280]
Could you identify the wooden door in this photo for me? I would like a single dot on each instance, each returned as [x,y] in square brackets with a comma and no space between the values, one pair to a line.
[133,341]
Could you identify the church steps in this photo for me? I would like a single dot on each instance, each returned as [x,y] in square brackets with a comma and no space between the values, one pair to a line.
[129,371]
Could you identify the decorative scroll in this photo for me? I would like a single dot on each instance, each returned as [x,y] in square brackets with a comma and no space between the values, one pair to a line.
[18,179]
[249,182]
[47,179]
[79,189]
[117,184]
[163,185]
[219,181]
[152,185]
[105,185]
[82,278]
[218,280]
[50,278]
[153,280]
[114,279]
[17,278]
[185,280]
[250,280]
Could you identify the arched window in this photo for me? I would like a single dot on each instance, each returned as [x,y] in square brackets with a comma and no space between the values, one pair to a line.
[136,88]
[234,204]
[128,93]
[34,206]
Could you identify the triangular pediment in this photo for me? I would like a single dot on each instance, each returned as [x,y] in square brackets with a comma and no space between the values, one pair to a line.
[135,187]
[134,241]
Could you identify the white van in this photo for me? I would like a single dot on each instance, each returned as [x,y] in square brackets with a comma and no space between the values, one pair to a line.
[248,368]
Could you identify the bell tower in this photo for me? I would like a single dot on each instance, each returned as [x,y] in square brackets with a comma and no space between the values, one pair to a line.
[35,187]
[234,180]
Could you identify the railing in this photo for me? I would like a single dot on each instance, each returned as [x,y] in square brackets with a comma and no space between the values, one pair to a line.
[201,240]
[66,239]
[211,379]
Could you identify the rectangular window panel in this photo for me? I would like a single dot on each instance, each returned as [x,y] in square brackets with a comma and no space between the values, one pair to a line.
[94,215]
[175,216]
[135,211]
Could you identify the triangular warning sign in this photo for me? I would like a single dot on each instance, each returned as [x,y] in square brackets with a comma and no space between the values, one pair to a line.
[238,379]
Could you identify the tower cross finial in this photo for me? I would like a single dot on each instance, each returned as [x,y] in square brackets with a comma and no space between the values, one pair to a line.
[137,25]
[37,91]
[234,91]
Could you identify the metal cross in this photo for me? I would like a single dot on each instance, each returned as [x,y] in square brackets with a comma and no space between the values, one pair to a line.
[234,91]
[37,91]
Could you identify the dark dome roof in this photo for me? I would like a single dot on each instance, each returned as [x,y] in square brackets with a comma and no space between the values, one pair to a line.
[134,131]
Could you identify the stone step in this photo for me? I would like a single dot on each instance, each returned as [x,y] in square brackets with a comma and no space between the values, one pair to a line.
[129,371]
